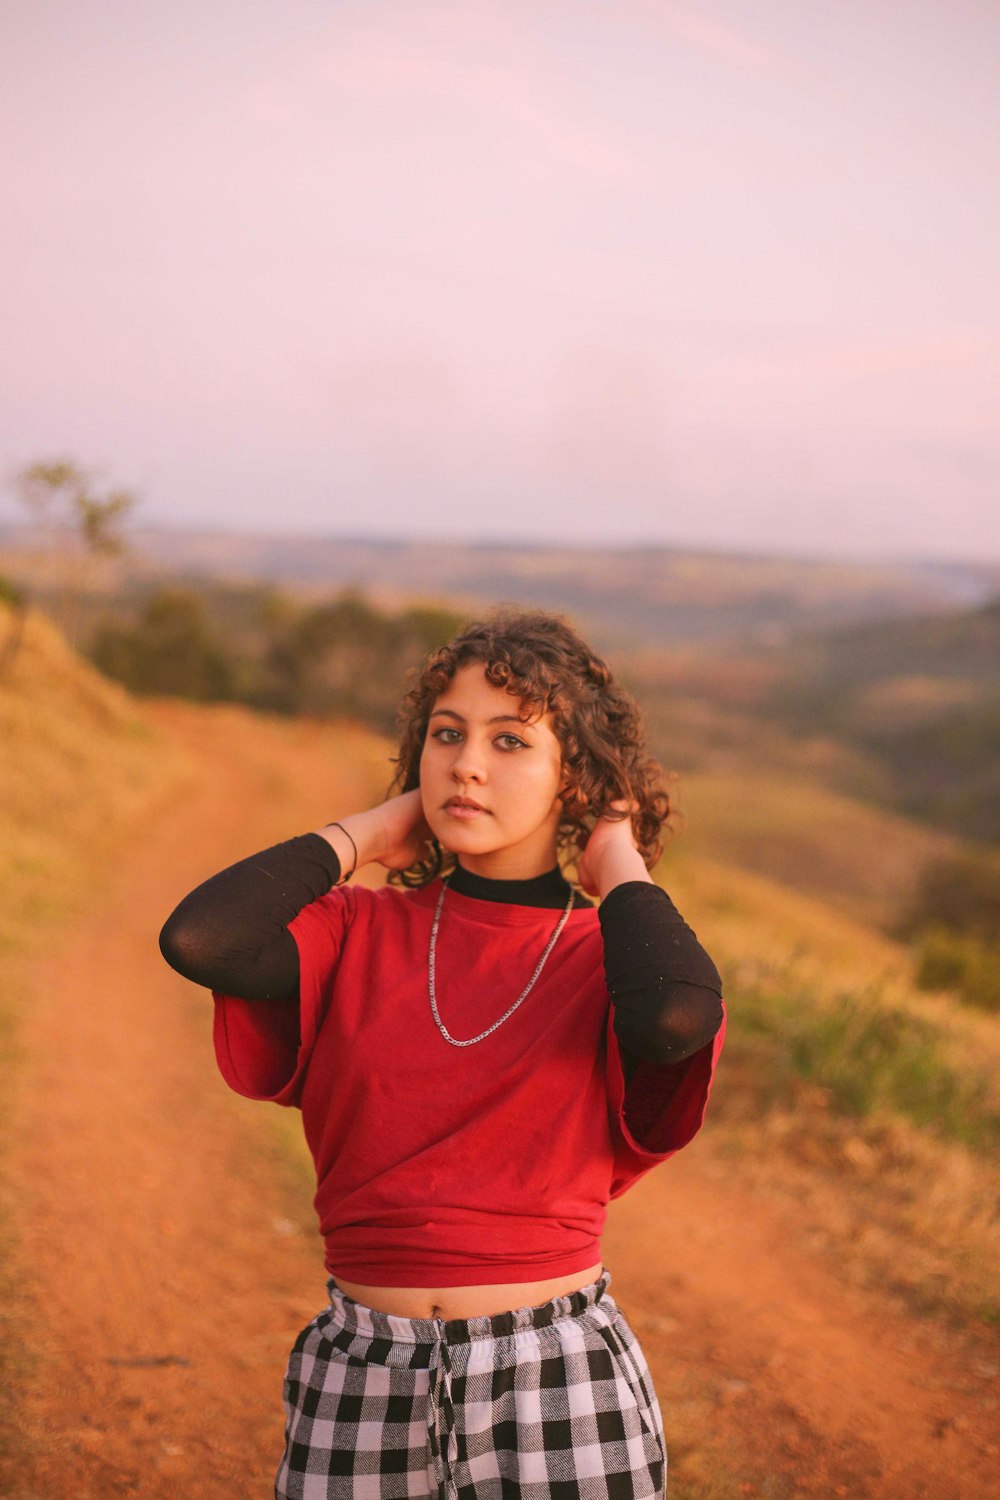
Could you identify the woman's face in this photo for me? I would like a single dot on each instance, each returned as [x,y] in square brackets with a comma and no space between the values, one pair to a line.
[478,750]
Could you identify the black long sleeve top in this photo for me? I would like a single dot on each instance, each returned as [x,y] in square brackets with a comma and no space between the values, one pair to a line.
[231,935]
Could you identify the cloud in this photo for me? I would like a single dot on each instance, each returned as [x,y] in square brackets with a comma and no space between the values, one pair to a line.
[717,38]
[402,64]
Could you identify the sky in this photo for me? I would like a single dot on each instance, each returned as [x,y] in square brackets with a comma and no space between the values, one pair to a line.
[720,275]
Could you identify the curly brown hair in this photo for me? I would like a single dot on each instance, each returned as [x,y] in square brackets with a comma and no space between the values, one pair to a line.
[540,659]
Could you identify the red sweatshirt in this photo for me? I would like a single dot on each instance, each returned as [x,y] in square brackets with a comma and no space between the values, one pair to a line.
[439,1165]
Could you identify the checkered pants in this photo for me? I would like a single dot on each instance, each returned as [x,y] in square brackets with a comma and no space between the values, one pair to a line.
[553,1402]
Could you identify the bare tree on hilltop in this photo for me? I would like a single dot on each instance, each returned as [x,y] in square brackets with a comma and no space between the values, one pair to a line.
[77,527]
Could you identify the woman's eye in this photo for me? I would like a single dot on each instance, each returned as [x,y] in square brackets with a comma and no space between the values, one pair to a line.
[447,735]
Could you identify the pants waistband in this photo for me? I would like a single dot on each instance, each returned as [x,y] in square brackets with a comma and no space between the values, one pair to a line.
[350,1321]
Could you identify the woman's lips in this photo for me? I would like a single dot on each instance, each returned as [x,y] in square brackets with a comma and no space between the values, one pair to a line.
[465,813]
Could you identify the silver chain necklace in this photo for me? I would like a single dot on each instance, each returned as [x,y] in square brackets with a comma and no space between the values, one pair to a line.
[524,993]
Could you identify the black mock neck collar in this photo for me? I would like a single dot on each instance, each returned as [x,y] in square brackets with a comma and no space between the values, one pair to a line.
[550,889]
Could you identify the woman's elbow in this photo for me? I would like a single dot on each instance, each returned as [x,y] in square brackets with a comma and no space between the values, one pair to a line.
[687,1030]
[182,946]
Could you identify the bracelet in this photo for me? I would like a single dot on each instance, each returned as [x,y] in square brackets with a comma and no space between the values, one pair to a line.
[353,846]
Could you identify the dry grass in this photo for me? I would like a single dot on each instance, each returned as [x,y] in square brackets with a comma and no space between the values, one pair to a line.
[81,767]
[871,1104]
[792,829]
[903,1213]
[80,770]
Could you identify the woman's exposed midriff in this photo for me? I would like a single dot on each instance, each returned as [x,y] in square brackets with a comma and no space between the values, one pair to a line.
[465,1301]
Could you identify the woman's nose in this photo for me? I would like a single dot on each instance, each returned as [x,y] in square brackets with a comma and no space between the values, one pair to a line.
[468,764]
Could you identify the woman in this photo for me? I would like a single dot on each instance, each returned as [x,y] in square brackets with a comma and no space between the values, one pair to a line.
[483,1058]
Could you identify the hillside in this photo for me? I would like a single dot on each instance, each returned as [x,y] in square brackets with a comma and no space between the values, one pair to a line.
[922,697]
[904,713]
[82,768]
[842,1184]
[796,830]
[83,773]
[880,678]
[656,595]
[757,1267]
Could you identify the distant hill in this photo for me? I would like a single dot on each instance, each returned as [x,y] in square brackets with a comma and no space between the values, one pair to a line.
[654,595]
[961,648]
[905,712]
[922,696]
[883,680]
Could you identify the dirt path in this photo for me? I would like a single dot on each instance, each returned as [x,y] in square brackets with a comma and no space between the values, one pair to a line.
[168,1255]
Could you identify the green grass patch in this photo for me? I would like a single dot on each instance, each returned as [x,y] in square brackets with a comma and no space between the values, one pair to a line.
[946,959]
[868,1056]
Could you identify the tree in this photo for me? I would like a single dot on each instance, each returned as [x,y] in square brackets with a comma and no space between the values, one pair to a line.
[172,649]
[78,526]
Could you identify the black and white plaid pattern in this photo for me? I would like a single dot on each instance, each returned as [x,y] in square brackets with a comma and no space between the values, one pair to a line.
[553,1402]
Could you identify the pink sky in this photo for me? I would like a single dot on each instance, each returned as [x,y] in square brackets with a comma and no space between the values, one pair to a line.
[718,275]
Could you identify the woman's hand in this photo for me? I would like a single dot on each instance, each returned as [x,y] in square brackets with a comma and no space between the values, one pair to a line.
[405,831]
[611,855]
[393,834]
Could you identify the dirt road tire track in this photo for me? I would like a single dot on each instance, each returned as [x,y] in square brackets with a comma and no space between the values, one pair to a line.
[159,1220]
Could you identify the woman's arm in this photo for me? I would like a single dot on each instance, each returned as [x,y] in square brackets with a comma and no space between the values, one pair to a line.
[231,933]
[666,990]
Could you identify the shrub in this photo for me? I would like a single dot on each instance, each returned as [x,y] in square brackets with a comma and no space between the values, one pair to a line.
[172,649]
[960,892]
[953,960]
[11,594]
[868,1055]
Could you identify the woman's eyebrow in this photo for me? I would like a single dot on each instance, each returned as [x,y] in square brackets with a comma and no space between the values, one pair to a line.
[497,718]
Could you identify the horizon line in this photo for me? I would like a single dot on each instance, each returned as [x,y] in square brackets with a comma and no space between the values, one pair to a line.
[709,550]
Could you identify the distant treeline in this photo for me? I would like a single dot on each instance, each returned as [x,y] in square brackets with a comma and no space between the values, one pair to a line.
[258,646]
